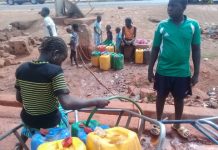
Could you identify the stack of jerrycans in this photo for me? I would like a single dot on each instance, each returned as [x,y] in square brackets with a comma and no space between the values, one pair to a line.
[142,56]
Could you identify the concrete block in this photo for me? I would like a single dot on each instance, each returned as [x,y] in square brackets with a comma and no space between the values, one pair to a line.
[2,62]
[20,45]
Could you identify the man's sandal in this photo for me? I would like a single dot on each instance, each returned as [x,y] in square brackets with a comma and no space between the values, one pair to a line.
[155,130]
[182,131]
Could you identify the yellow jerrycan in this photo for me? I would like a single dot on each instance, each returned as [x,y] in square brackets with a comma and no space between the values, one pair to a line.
[116,138]
[110,48]
[105,62]
[139,56]
[95,58]
[77,144]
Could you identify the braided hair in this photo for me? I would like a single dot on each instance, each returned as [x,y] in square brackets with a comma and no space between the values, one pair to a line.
[51,45]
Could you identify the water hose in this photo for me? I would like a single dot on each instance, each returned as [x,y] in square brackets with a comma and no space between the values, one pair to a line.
[112,98]
[85,66]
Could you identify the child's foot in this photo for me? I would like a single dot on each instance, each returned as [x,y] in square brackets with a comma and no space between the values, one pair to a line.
[72,63]
[79,66]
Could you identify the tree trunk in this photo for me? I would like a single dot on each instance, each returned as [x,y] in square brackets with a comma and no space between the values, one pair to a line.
[59,7]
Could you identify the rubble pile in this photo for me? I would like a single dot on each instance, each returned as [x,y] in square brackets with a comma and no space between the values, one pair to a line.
[212,101]
[211,31]
[13,43]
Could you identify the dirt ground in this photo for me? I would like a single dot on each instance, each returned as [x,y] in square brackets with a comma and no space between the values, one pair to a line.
[83,84]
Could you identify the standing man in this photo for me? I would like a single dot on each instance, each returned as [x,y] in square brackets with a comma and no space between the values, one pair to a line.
[49,25]
[175,38]
[97,31]
[128,39]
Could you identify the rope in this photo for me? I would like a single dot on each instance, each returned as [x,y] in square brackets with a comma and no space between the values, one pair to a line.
[86,57]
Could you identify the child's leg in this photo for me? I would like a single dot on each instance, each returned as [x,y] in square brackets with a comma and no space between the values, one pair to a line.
[71,56]
[75,59]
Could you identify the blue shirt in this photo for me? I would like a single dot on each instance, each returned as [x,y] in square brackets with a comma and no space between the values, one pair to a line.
[118,40]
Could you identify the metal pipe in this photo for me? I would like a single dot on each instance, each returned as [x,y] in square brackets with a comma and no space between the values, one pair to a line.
[10,132]
[209,123]
[20,140]
[177,121]
[199,127]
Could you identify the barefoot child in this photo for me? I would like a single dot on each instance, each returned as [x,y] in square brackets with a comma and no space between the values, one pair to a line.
[74,43]
[118,39]
[97,31]
[42,90]
[49,25]
[109,40]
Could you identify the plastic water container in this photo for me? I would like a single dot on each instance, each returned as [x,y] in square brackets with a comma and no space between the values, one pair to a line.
[147,55]
[116,138]
[95,58]
[53,135]
[139,56]
[105,62]
[128,52]
[77,144]
[117,61]
[101,48]
[110,48]
[79,131]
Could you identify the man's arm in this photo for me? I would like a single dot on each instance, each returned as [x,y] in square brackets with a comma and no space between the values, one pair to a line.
[72,103]
[50,30]
[95,29]
[196,57]
[153,59]
[154,52]
[196,52]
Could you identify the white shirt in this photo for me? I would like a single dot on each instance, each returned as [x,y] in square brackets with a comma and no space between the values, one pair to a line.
[49,22]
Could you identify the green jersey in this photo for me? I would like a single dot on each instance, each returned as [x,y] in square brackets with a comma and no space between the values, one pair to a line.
[175,43]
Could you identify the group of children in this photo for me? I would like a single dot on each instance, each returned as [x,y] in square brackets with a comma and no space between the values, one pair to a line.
[124,38]
[109,39]
[74,38]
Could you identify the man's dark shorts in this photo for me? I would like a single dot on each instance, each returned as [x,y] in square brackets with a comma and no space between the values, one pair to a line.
[180,87]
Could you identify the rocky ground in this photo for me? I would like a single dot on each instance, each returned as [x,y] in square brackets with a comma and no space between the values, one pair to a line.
[132,80]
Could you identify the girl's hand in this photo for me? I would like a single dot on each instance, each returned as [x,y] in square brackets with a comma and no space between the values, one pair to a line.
[101,103]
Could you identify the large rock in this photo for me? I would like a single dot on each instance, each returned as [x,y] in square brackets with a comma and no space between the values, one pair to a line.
[20,45]
[2,62]
[133,90]
[3,37]
[23,25]
[10,61]
[88,21]
[4,54]
[4,47]
[1,52]
[149,93]
[72,10]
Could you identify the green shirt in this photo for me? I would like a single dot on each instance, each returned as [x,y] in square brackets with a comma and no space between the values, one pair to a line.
[175,45]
